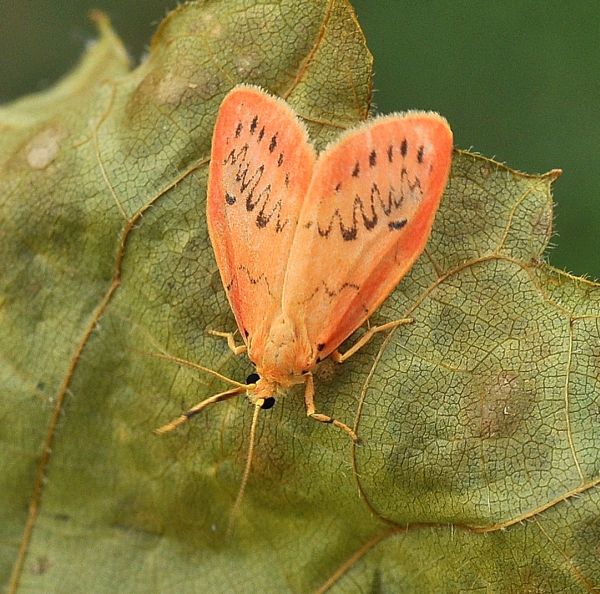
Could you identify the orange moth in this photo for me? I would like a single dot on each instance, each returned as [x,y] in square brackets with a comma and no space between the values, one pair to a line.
[308,246]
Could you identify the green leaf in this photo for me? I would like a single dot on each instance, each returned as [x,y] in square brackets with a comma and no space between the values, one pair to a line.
[479,422]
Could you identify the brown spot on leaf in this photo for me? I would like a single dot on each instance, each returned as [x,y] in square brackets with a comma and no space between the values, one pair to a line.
[40,565]
[503,400]
[486,170]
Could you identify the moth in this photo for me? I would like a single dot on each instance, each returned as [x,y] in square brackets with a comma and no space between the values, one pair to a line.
[309,245]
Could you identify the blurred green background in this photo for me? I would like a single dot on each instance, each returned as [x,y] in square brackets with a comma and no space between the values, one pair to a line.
[518,81]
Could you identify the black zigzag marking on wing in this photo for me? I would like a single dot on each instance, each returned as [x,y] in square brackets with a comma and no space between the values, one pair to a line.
[267,209]
[331,293]
[254,280]
[368,211]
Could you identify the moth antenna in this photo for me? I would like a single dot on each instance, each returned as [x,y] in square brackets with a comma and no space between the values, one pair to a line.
[238,500]
[186,416]
[198,367]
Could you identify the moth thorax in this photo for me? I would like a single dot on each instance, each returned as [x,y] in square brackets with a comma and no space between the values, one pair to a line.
[287,353]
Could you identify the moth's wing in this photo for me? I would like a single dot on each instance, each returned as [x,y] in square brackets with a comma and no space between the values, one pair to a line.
[260,170]
[366,219]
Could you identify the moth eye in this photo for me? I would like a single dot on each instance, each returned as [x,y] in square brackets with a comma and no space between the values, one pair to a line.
[252,379]
[268,403]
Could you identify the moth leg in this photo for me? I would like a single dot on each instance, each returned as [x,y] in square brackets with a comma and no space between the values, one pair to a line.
[364,339]
[309,401]
[199,408]
[230,336]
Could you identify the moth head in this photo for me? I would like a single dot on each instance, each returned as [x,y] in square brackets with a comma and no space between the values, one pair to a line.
[268,401]
[262,391]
